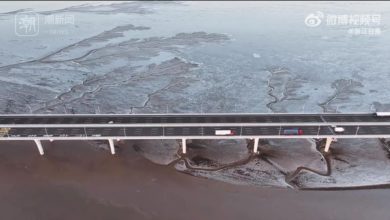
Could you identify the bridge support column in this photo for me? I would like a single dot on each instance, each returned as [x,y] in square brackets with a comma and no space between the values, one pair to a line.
[327,144]
[184,145]
[39,146]
[256,145]
[112,146]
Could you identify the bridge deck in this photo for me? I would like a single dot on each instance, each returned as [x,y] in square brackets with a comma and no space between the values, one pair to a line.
[210,126]
[237,131]
[194,119]
[191,125]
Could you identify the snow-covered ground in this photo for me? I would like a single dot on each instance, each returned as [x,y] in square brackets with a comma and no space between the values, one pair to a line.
[171,57]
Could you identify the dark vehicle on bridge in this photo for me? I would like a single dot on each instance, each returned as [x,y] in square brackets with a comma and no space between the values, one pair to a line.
[293,131]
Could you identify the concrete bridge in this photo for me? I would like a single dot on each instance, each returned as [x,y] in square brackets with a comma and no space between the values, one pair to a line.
[113,127]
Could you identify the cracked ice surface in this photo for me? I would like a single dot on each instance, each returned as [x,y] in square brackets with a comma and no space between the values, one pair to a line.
[315,70]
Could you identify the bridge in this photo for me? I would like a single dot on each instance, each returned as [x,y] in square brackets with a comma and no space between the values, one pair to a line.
[113,127]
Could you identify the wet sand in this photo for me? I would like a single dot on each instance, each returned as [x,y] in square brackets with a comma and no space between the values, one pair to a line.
[76,180]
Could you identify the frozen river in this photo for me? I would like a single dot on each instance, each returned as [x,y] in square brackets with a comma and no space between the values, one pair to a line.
[252,57]
[173,57]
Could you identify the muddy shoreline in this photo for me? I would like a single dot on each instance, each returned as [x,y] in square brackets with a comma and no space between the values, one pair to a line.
[78,179]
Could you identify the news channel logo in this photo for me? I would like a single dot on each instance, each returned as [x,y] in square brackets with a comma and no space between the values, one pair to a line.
[26,24]
[314,19]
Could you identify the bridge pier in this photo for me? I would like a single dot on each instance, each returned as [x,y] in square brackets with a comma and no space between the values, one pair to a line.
[112,146]
[184,145]
[39,146]
[256,145]
[327,144]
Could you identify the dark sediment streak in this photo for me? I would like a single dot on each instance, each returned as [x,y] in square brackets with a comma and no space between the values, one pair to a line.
[325,156]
